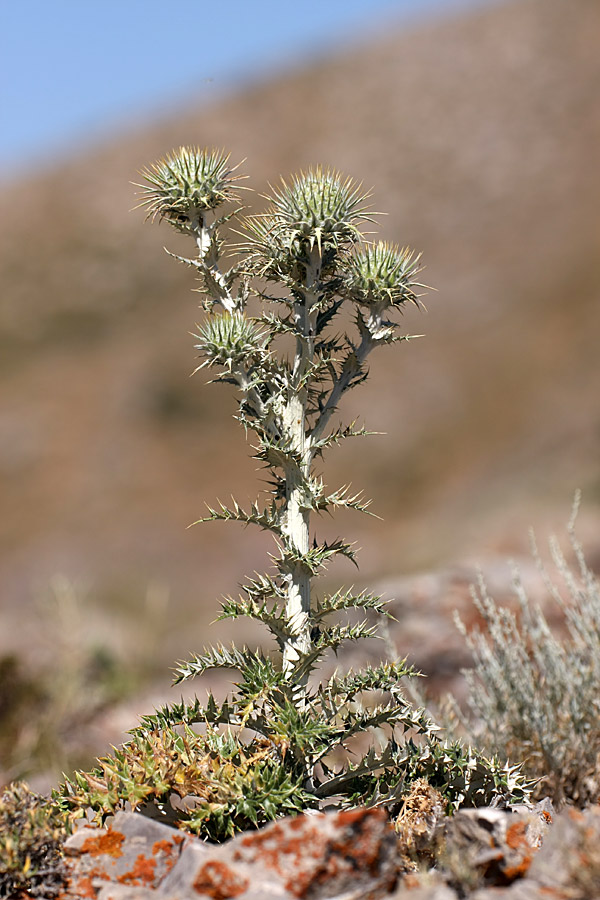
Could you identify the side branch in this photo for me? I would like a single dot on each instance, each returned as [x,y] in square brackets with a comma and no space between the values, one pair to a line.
[351,370]
[214,282]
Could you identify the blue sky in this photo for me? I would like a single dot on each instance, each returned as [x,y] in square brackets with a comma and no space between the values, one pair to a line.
[74,71]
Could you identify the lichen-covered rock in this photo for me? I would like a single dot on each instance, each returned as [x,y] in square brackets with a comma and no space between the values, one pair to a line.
[423,886]
[518,890]
[488,854]
[112,891]
[493,846]
[568,864]
[351,853]
[307,856]
[134,851]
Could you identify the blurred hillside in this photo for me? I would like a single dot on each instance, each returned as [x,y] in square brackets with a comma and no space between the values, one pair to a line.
[480,136]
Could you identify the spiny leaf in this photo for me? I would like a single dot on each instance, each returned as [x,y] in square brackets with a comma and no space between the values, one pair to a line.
[279,454]
[268,613]
[315,558]
[386,677]
[330,639]
[186,713]
[338,435]
[218,657]
[268,518]
[345,599]
[263,587]
[370,764]
[320,501]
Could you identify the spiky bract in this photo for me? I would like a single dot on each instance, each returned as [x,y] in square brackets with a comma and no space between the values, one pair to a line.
[187,183]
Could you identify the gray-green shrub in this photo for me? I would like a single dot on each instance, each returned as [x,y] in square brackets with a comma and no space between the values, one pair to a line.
[534,696]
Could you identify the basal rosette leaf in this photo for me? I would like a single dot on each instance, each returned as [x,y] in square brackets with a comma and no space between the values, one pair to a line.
[235,785]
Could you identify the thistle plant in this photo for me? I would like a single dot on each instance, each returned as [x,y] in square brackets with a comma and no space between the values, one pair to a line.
[308,243]
[326,299]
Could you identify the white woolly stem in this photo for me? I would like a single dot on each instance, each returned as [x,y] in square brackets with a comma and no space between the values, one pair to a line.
[209,256]
[297,515]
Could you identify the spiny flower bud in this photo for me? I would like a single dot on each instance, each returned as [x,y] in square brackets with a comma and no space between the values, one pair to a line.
[187,183]
[383,274]
[228,339]
[318,206]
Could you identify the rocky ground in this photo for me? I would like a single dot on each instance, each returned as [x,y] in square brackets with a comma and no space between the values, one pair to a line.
[523,854]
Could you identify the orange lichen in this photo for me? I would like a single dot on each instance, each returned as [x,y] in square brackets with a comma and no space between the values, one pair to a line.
[85,888]
[516,836]
[82,886]
[363,846]
[279,851]
[516,839]
[354,853]
[143,872]
[353,816]
[301,853]
[109,844]
[518,871]
[219,881]
[165,847]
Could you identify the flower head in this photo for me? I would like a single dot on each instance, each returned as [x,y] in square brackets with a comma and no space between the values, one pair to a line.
[318,206]
[186,184]
[318,210]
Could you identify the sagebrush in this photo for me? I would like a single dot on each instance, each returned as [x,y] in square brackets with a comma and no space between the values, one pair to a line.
[534,694]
